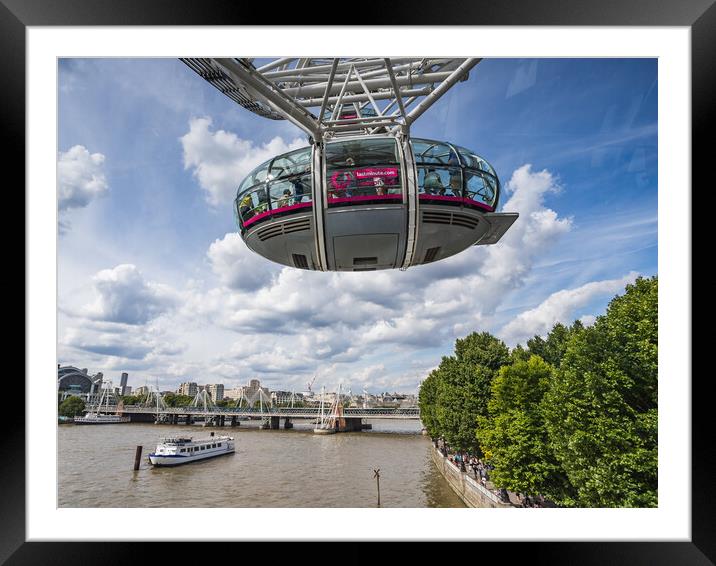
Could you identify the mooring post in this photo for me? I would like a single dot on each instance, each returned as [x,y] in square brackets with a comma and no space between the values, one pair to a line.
[137,457]
[376,475]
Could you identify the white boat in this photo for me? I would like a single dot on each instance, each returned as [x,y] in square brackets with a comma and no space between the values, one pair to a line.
[96,418]
[176,450]
[326,423]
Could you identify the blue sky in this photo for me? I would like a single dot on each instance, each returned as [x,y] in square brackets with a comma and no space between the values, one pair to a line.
[154,280]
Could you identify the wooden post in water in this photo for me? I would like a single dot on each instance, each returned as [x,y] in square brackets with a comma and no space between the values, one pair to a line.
[137,457]
[376,475]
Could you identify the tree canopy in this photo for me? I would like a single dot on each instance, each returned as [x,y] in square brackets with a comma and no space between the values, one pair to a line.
[573,416]
[72,407]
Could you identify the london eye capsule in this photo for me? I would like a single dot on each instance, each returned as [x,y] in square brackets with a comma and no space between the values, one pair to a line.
[364,195]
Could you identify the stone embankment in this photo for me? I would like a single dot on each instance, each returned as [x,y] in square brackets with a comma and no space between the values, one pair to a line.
[471,491]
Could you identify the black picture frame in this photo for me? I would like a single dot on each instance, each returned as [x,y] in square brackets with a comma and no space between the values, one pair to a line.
[699,15]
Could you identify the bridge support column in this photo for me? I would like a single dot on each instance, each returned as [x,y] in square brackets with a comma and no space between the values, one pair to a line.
[275,421]
[189,419]
[287,423]
[234,422]
[352,424]
[222,420]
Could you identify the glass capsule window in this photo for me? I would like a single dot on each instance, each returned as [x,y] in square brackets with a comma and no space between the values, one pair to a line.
[362,170]
[252,204]
[254,178]
[480,188]
[287,193]
[439,172]
[472,161]
[275,186]
[295,163]
[462,177]
[290,180]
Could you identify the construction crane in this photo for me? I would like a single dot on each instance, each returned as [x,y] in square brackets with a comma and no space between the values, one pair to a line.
[310,383]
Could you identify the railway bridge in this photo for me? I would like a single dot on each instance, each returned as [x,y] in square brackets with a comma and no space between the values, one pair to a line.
[346,419]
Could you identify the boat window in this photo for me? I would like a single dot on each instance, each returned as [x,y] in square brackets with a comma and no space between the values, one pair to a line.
[219,445]
[213,445]
[362,169]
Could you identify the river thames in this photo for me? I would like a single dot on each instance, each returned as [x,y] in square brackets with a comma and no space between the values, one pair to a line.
[271,468]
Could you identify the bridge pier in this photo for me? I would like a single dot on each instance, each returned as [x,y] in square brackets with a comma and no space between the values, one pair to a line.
[287,423]
[222,420]
[234,422]
[275,421]
[351,424]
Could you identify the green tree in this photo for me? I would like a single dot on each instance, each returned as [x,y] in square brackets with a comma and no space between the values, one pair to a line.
[552,349]
[482,349]
[601,410]
[461,399]
[519,354]
[427,401]
[177,400]
[514,439]
[460,389]
[71,407]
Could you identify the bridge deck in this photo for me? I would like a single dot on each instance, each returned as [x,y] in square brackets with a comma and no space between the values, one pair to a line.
[294,413]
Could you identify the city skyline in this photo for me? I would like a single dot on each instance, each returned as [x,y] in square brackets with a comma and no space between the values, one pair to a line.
[150,153]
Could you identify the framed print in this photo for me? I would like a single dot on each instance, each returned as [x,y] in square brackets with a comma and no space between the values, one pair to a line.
[185,274]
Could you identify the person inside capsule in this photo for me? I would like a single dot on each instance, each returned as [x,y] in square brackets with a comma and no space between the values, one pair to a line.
[432,184]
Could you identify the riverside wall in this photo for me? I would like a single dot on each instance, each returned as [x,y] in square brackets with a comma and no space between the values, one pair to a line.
[472,493]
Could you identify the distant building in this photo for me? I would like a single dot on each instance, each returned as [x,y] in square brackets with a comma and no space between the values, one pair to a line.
[216,391]
[72,381]
[123,384]
[249,391]
[189,388]
[143,390]
[127,390]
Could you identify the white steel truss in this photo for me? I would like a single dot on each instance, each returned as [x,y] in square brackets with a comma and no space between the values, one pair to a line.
[353,96]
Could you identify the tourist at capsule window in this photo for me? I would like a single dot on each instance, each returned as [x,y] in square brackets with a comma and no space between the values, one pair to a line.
[361,169]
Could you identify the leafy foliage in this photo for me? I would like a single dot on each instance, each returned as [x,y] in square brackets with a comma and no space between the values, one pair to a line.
[72,407]
[573,416]
[601,411]
[515,438]
[177,400]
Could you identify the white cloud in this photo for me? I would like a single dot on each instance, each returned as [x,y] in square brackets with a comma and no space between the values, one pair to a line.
[237,266]
[221,160]
[287,323]
[559,307]
[80,177]
[124,296]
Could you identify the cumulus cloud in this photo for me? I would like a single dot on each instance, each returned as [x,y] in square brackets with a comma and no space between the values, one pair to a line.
[118,344]
[286,324]
[559,307]
[123,295]
[80,177]
[220,160]
[238,267]
[291,320]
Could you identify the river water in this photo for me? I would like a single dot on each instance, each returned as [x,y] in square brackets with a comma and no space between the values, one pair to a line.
[271,468]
